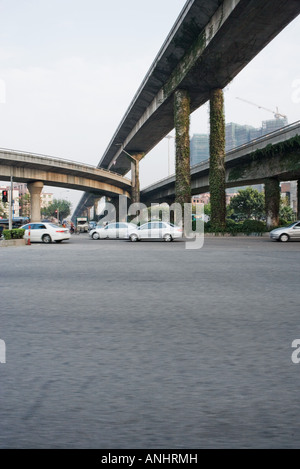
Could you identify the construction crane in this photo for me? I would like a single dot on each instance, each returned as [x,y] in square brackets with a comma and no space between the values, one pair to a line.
[276,114]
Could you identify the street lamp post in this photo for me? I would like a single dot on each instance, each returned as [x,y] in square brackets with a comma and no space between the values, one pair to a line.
[169,164]
[65,190]
[10,216]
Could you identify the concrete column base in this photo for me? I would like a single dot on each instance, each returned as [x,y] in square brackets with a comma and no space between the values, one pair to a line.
[35,189]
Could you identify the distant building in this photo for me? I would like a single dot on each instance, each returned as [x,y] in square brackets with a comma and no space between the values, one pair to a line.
[273,124]
[201,199]
[199,148]
[289,190]
[235,135]
[46,199]
[22,188]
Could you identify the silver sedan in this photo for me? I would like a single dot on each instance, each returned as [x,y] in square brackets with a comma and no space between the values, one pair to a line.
[286,233]
[120,230]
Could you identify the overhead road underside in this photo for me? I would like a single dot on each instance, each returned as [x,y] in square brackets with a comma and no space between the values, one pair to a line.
[210,43]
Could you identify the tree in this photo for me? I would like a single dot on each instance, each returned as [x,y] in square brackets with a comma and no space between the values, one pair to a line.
[3,211]
[24,203]
[286,213]
[59,208]
[248,204]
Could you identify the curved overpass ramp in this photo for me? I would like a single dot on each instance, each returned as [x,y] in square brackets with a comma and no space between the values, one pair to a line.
[29,167]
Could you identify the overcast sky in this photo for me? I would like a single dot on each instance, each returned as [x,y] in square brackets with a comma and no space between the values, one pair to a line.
[70,68]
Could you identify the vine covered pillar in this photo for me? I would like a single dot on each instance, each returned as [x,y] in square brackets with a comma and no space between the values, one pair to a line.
[272,198]
[217,160]
[182,128]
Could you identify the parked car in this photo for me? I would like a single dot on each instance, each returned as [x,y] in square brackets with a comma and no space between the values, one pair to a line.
[92,225]
[45,232]
[156,230]
[119,230]
[286,233]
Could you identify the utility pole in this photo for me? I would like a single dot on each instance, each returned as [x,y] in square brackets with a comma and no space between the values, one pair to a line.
[169,164]
[11,203]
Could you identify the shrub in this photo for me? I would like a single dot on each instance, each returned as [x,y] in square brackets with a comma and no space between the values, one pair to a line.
[233,227]
[253,226]
[16,233]
[284,222]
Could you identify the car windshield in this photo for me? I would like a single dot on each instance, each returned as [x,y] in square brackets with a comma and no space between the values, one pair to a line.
[290,226]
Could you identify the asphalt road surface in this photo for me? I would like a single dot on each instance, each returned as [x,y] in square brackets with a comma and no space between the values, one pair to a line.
[112,344]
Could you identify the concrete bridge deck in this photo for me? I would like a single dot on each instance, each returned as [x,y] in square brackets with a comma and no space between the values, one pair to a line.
[240,168]
[210,43]
[30,167]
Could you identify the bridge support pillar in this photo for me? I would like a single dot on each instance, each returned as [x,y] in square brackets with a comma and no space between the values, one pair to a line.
[272,198]
[182,128]
[35,189]
[96,202]
[217,159]
[135,177]
[121,207]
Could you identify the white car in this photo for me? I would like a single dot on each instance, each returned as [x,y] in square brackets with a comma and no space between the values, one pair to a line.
[119,230]
[45,232]
[156,230]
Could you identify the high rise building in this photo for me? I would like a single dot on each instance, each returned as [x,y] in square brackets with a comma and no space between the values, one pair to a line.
[235,135]
[273,124]
[199,148]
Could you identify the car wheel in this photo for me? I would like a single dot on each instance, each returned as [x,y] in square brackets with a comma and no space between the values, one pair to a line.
[284,238]
[46,239]
[168,238]
[134,238]
[95,235]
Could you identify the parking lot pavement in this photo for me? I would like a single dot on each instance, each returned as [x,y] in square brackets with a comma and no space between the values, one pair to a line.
[112,344]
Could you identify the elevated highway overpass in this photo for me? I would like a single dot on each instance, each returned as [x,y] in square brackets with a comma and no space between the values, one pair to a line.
[37,170]
[209,44]
[273,156]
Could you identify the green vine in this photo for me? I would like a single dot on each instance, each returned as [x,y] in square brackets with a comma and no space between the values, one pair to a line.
[217,160]
[272,198]
[182,125]
[185,64]
[289,161]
